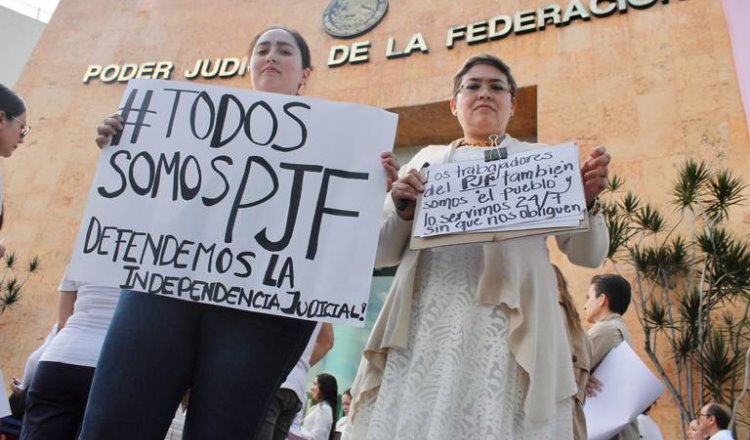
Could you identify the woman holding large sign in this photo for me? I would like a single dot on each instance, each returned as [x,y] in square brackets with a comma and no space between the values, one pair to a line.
[231,360]
[470,342]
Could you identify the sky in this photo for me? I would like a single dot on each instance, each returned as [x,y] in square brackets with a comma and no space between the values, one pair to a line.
[39,9]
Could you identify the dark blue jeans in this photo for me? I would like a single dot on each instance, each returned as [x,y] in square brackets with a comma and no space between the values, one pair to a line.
[157,348]
[281,413]
[56,401]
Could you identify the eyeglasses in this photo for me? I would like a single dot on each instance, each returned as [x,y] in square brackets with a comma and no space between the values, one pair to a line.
[24,128]
[700,414]
[474,87]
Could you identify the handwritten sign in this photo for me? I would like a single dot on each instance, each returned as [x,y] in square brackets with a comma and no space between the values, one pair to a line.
[541,188]
[242,199]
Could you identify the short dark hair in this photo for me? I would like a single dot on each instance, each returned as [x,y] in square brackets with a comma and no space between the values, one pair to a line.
[10,102]
[720,413]
[615,288]
[347,392]
[304,49]
[487,60]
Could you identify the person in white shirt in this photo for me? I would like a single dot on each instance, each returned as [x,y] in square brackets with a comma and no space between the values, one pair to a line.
[319,423]
[58,394]
[346,401]
[20,387]
[713,420]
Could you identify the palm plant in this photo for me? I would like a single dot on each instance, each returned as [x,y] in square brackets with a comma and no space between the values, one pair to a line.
[11,286]
[692,282]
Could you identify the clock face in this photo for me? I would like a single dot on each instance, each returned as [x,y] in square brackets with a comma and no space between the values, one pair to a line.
[350,18]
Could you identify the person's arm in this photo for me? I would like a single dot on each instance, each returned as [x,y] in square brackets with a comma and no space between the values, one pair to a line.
[603,339]
[323,343]
[589,249]
[396,224]
[65,307]
[30,368]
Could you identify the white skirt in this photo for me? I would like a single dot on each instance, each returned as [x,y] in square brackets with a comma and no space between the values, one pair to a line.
[457,379]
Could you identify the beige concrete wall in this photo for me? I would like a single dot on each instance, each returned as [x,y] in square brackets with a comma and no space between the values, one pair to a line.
[656,86]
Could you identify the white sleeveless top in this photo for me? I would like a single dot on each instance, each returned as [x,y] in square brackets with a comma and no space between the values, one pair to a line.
[80,341]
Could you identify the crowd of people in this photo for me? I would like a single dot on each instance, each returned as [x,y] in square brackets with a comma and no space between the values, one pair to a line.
[477,341]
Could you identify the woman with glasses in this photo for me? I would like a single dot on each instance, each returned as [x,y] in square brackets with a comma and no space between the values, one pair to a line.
[13,130]
[13,127]
[470,343]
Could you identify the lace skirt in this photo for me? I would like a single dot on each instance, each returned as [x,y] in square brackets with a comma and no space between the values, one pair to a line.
[457,379]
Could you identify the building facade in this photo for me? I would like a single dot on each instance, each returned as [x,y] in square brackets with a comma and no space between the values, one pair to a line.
[653,80]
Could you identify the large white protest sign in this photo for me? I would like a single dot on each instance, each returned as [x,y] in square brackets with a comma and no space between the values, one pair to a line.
[541,188]
[242,199]
[628,388]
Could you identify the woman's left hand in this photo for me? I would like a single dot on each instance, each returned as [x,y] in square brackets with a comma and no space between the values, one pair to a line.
[391,167]
[594,172]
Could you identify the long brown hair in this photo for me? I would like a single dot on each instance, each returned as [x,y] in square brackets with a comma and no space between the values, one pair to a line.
[329,392]
[571,314]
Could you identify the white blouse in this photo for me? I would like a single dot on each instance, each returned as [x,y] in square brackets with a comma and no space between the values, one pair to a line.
[318,422]
[81,340]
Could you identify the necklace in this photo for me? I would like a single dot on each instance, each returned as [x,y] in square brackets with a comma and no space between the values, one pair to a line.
[491,142]
[463,143]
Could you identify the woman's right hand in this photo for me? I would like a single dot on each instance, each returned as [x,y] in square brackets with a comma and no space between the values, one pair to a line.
[405,192]
[110,126]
